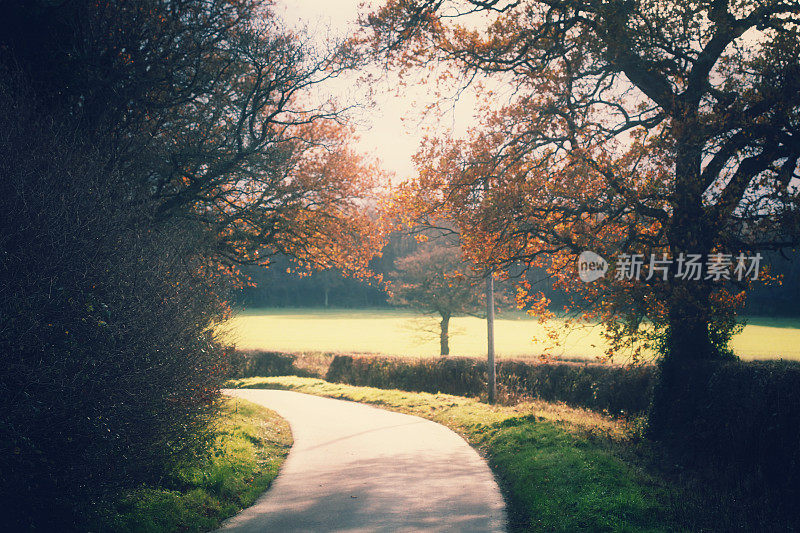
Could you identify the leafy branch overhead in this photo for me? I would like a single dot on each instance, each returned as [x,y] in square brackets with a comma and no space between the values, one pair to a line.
[214,107]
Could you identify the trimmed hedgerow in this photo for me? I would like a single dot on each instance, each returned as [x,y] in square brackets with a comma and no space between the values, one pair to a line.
[460,376]
[615,389]
[252,363]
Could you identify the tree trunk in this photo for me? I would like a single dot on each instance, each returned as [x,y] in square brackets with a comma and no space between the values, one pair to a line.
[327,290]
[444,336]
[690,232]
[688,340]
[688,336]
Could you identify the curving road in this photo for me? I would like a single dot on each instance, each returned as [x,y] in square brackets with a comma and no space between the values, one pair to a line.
[357,468]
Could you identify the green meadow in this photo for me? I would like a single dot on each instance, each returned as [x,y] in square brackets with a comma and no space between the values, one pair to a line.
[399,332]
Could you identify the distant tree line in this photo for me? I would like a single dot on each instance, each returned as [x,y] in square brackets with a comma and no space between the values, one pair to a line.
[277,287]
[282,285]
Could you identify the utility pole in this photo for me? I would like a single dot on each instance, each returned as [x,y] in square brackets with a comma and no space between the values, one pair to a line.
[490,368]
[491,371]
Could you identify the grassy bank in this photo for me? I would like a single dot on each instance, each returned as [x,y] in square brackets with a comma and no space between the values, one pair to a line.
[250,447]
[561,468]
[396,332]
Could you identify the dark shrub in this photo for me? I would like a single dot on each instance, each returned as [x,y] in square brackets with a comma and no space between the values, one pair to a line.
[738,420]
[110,369]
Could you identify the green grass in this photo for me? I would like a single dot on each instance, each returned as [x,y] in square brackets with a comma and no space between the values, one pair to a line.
[393,332]
[250,447]
[560,468]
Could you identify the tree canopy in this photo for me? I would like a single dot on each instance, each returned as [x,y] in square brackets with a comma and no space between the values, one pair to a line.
[663,129]
[211,106]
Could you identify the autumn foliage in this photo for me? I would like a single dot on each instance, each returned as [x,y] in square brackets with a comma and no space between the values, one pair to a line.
[664,129]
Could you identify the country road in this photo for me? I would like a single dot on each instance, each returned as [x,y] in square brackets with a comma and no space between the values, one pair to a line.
[358,468]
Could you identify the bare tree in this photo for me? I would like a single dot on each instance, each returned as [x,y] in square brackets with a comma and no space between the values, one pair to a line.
[435,279]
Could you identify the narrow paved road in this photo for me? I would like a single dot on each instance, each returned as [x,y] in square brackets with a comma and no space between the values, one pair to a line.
[357,468]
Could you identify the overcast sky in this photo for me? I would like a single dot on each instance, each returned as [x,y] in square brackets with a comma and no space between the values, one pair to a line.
[390,131]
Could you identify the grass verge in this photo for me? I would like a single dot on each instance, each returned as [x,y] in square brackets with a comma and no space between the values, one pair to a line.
[249,448]
[558,466]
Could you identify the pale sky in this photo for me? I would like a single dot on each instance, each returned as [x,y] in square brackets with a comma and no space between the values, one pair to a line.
[390,131]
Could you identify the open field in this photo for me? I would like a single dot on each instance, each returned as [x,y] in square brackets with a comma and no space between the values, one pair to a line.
[395,332]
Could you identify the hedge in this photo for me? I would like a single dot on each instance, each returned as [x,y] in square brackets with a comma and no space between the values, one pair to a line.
[614,389]
[247,364]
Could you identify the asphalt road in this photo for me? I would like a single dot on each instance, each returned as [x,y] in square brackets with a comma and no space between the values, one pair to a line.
[358,468]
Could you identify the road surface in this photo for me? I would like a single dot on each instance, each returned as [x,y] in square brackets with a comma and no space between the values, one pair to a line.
[358,468]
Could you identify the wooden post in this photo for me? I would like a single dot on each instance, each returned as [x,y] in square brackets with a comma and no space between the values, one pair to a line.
[490,369]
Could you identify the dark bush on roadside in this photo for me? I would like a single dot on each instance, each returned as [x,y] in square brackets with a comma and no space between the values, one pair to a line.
[110,368]
[617,390]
